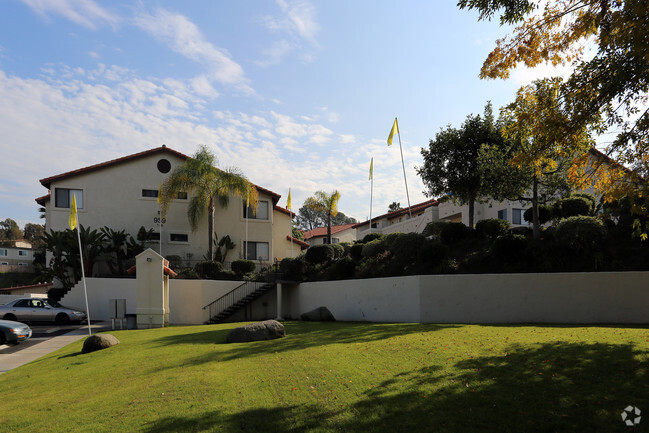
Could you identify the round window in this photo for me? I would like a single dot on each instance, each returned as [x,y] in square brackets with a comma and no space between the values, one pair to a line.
[164,166]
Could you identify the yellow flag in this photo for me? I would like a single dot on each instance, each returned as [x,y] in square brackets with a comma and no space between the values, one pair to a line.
[72,220]
[288,202]
[395,128]
[371,169]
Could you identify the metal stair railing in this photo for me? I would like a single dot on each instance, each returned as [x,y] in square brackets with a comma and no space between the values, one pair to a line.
[233,296]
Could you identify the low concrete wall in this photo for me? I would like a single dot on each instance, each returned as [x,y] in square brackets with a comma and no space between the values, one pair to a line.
[186,297]
[605,297]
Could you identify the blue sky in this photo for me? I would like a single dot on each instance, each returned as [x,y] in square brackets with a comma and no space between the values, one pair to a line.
[297,94]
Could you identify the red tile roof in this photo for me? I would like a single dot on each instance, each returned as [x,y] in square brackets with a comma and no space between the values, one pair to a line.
[162,149]
[322,231]
[44,199]
[302,244]
[397,213]
[46,182]
[285,211]
[31,286]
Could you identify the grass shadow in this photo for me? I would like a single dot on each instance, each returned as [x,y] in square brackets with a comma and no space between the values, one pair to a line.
[553,387]
[299,335]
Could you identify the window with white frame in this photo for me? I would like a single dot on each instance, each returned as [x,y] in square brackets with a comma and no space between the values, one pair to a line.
[4,263]
[3,252]
[22,264]
[517,216]
[63,197]
[256,250]
[502,214]
[23,253]
[261,214]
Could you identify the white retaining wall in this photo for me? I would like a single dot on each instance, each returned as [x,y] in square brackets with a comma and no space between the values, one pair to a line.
[604,297]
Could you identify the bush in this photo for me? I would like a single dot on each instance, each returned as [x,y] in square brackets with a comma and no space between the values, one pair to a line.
[453,232]
[389,239]
[588,197]
[545,214]
[373,248]
[509,248]
[492,228]
[434,228]
[570,207]
[320,254]
[342,269]
[356,251]
[208,269]
[406,246]
[175,262]
[371,237]
[339,250]
[242,266]
[188,274]
[580,233]
[433,253]
[292,268]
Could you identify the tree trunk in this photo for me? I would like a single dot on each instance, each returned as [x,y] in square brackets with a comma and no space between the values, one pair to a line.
[471,210]
[535,209]
[329,229]
[210,229]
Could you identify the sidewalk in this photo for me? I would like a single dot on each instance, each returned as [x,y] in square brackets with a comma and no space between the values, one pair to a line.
[10,361]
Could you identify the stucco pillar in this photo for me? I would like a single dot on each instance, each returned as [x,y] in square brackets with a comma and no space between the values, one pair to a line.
[152,293]
[279,302]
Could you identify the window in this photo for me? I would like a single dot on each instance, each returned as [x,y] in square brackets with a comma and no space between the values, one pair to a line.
[502,214]
[256,250]
[517,216]
[23,264]
[63,197]
[178,237]
[153,193]
[4,263]
[335,240]
[23,303]
[164,166]
[3,252]
[261,214]
[23,253]
[153,236]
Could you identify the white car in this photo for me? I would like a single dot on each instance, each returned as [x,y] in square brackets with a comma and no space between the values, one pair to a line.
[39,310]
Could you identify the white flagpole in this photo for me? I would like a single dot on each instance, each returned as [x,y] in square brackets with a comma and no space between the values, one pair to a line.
[404,173]
[247,218]
[83,278]
[371,190]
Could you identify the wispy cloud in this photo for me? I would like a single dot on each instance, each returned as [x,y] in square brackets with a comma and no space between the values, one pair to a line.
[86,13]
[185,38]
[296,26]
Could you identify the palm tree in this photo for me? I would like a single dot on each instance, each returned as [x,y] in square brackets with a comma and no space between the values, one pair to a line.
[208,184]
[325,203]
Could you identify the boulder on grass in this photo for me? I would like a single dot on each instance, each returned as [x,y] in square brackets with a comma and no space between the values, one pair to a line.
[266,330]
[98,342]
[320,314]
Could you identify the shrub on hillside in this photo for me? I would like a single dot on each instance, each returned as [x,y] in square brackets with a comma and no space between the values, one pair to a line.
[339,251]
[433,253]
[588,197]
[509,247]
[389,239]
[570,207]
[292,268]
[406,246]
[371,237]
[242,266]
[492,228]
[434,228]
[545,214]
[341,269]
[209,270]
[373,248]
[453,232]
[580,233]
[356,251]
[320,254]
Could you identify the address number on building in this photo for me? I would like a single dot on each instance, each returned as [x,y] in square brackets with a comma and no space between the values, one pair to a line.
[156,220]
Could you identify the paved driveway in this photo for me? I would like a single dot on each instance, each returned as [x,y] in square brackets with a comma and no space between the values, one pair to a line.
[45,339]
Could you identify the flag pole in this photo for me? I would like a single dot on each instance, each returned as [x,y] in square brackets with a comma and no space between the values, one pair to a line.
[247,218]
[404,169]
[371,189]
[73,222]
[160,213]
[290,214]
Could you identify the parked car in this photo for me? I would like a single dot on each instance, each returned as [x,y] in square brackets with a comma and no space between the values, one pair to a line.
[39,310]
[14,332]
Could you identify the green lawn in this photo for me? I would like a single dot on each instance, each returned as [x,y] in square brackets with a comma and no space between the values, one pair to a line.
[339,377]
